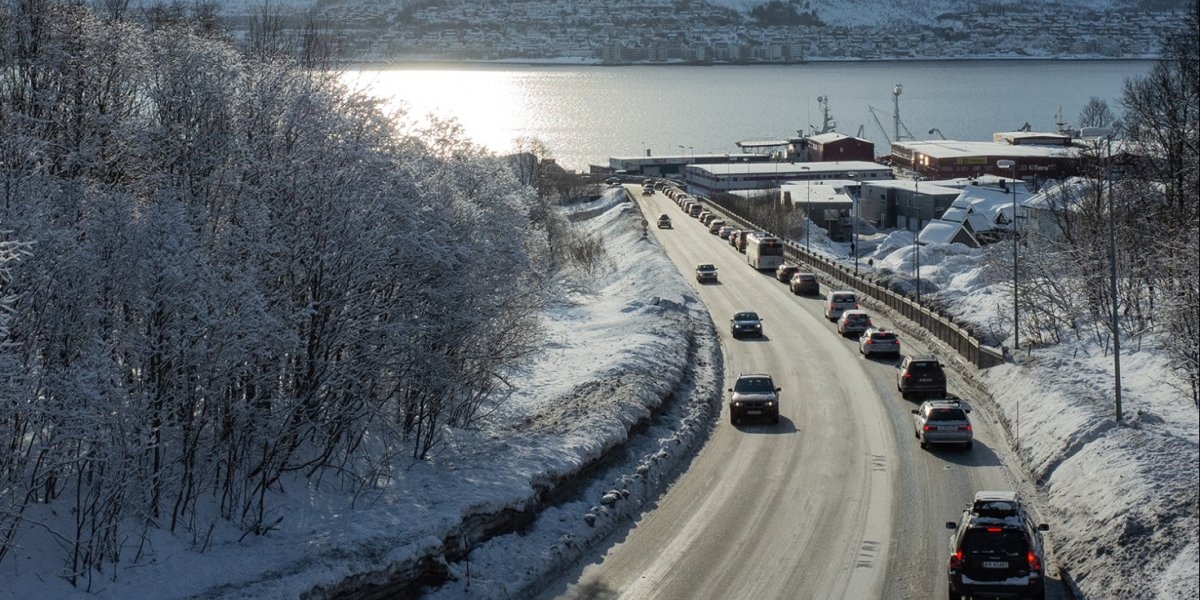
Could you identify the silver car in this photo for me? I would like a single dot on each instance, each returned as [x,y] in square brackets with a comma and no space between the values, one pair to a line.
[853,322]
[878,341]
[942,422]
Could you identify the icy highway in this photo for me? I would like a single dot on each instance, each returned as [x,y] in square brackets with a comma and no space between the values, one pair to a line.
[836,501]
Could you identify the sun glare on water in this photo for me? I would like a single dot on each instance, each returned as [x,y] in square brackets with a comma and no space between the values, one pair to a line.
[491,105]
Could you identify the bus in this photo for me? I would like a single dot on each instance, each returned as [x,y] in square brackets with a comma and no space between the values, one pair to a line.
[763,251]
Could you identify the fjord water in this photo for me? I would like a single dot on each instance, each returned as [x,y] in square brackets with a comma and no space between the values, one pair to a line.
[586,114]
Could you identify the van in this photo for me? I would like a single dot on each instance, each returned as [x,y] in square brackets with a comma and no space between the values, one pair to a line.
[695,210]
[838,302]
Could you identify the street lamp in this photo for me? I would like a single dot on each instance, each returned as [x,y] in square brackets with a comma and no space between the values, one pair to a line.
[807,209]
[1107,133]
[1011,164]
[854,223]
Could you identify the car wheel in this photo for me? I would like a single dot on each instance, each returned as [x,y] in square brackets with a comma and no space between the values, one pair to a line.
[905,395]
[924,444]
[952,595]
[733,417]
[969,444]
[775,420]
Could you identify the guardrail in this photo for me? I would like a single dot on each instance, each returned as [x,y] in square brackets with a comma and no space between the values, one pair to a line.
[940,326]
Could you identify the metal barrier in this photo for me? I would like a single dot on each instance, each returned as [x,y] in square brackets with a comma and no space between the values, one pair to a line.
[940,326]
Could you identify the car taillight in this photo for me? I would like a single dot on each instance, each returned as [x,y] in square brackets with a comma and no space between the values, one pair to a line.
[925,427]
[1034,563]
[869,341]
[908,375]
[964,428]
[956,560]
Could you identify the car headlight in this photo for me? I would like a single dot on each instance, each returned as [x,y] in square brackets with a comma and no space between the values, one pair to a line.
[770,404]
[738,404]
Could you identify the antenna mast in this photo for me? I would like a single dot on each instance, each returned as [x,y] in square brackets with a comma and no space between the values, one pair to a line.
[827,123]
[896,109]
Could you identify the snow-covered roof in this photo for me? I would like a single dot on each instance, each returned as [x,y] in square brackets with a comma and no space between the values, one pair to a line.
[945,149]
[981,205]
[826,138]
[791,169]
[939,232]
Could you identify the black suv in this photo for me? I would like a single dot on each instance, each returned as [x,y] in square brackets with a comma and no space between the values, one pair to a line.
[996,551]
[921,375]
[754,395]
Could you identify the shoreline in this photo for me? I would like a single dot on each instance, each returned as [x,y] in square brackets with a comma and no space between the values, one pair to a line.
[566,62]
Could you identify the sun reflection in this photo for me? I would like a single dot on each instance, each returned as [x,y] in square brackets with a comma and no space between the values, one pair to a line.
[491,104]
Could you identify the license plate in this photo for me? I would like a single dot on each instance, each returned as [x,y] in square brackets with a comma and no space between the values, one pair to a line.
[754,412]
[995,564]
[925,380]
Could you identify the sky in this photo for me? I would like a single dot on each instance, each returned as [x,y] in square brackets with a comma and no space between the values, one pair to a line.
[617,348]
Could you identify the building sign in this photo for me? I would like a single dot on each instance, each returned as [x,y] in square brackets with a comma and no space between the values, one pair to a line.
[971,160]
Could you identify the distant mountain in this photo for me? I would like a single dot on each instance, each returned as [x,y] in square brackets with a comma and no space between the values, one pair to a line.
[883,12]
[832,12]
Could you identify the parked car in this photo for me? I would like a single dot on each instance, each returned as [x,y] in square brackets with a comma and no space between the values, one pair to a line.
[805,284]
[996,550]
[715,225]
[746,323]
[785,271]
[920,375]
[647,190]
[664,221]
[706,273]
[754,395]
[839,301]
[724,232]
[942,422]
[878,341]
[706,216]
[695,209]
[732,237]
[853,323]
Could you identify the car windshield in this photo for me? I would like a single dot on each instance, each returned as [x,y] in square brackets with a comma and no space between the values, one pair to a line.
[745,316]
[947,414]
[883,335]
[706,268]
[753,385]
[925,367]
[844,298]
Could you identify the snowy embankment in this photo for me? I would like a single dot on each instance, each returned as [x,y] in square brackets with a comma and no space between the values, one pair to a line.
[587,413]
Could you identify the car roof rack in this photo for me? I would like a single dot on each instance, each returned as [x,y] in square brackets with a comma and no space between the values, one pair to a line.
[996,508]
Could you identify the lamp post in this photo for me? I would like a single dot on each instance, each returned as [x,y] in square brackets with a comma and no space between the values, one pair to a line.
[854,224]
[807,209]
[1112,273]
[1107,133]
[1011,164]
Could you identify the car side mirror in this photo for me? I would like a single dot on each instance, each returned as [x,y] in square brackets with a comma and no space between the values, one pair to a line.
[779,389]
[951,525]
[1043,527]
[914,411]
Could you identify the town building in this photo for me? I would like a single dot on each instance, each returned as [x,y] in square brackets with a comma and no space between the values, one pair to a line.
[947,159]
[705,180]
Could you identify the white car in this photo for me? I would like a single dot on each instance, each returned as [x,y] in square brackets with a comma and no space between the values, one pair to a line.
[853,322]
[838,302]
